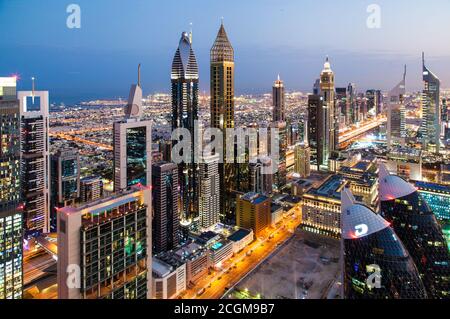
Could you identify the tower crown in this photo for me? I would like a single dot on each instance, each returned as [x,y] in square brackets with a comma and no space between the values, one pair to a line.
[222,51]
[184,63]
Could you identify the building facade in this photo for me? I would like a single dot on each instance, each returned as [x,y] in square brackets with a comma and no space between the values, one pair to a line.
[105,248]
[11,206]
[209,191]
[35,161]
[396,125]
[302,155]
[253,212]
[166,218]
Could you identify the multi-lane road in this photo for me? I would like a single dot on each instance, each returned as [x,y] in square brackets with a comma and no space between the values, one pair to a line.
[234,270]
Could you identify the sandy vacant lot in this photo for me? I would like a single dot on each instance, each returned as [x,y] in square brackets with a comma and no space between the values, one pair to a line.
[304,268]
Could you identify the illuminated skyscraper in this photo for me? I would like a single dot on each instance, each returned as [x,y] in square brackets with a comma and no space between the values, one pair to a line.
[417,227]
[184,78]
[132,144]
[34,115]
[376,265]
[352,107]
[316,129]
[253,212]
[65,181]
[166,218]
[396,125]
[11,207]
[431,111]
[105,247]
[302,159]
[209,191]
[222,112]
[278,101]
[331,119]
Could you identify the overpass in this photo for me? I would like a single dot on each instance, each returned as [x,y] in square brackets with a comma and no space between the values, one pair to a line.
[347,136]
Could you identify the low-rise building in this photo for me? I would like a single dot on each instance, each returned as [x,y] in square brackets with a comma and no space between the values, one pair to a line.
[220,252]
[240,239]
[169,277]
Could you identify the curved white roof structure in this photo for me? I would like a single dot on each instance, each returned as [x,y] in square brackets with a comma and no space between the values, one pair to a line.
[392,187]
[358,221]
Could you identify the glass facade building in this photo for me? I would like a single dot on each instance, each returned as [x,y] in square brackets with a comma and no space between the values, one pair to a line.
[376,264]
[417,227]
[136,156]
[11,206]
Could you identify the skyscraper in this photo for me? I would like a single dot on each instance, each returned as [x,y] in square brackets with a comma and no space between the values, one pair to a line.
[105,247]
[35,169]
[316,129]
[222,112]
[302,158]
[209,197]
[278,101]
[184,78]
[11,206]
[417,227]
[372,252]
[260,180]
[132,144]
[65,181]
[91,189]
[331,120]
[352,108]
[431,111]
[165,199]
[396,125]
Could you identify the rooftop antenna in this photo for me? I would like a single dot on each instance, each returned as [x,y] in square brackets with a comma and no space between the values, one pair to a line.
[221,20]
[139,75]
[190,33]
[32,88]
[404,74]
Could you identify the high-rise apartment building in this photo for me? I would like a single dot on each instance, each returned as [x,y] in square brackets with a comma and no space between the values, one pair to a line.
[184,78]
[209,197]
[35,161]
[222,112]
[166,218]
[105,248]
[65,181]
[11,206]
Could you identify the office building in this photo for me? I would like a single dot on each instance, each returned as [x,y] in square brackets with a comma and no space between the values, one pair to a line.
[431,111]
[132,144]
[222,113]
[278,113]
[321,208]
[65,180]
[396,125]
[108,243]
[253,212]
[331,117]
[209,198]
[260,176]
[11,206]
[35,161]
[196,258]
[302,155]
[352,106]
[417,227]
[437,197]
[371,246]
[280,131]
[166,218]
[316,133]
[91,189]
[184,78]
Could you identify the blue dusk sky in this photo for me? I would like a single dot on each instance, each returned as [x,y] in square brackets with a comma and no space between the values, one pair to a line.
[289,37]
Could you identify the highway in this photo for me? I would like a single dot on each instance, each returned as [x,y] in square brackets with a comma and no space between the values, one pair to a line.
[217,283]
[347,135]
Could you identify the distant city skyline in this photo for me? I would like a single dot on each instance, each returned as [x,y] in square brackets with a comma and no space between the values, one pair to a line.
[99,60]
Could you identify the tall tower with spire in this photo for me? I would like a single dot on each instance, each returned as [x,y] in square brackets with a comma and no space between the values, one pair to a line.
[396,125]
[222,111]
[331,124]
[185,80]
[431,111]
[278,101]
[279,123]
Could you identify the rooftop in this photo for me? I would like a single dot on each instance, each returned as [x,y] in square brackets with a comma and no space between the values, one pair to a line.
[239,235]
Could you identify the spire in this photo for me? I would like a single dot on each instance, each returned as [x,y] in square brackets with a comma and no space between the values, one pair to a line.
[32,88]
[423,59]
[190,33]
[404,75]
[184,64]
[278,76]
[139,75]
[222,50]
